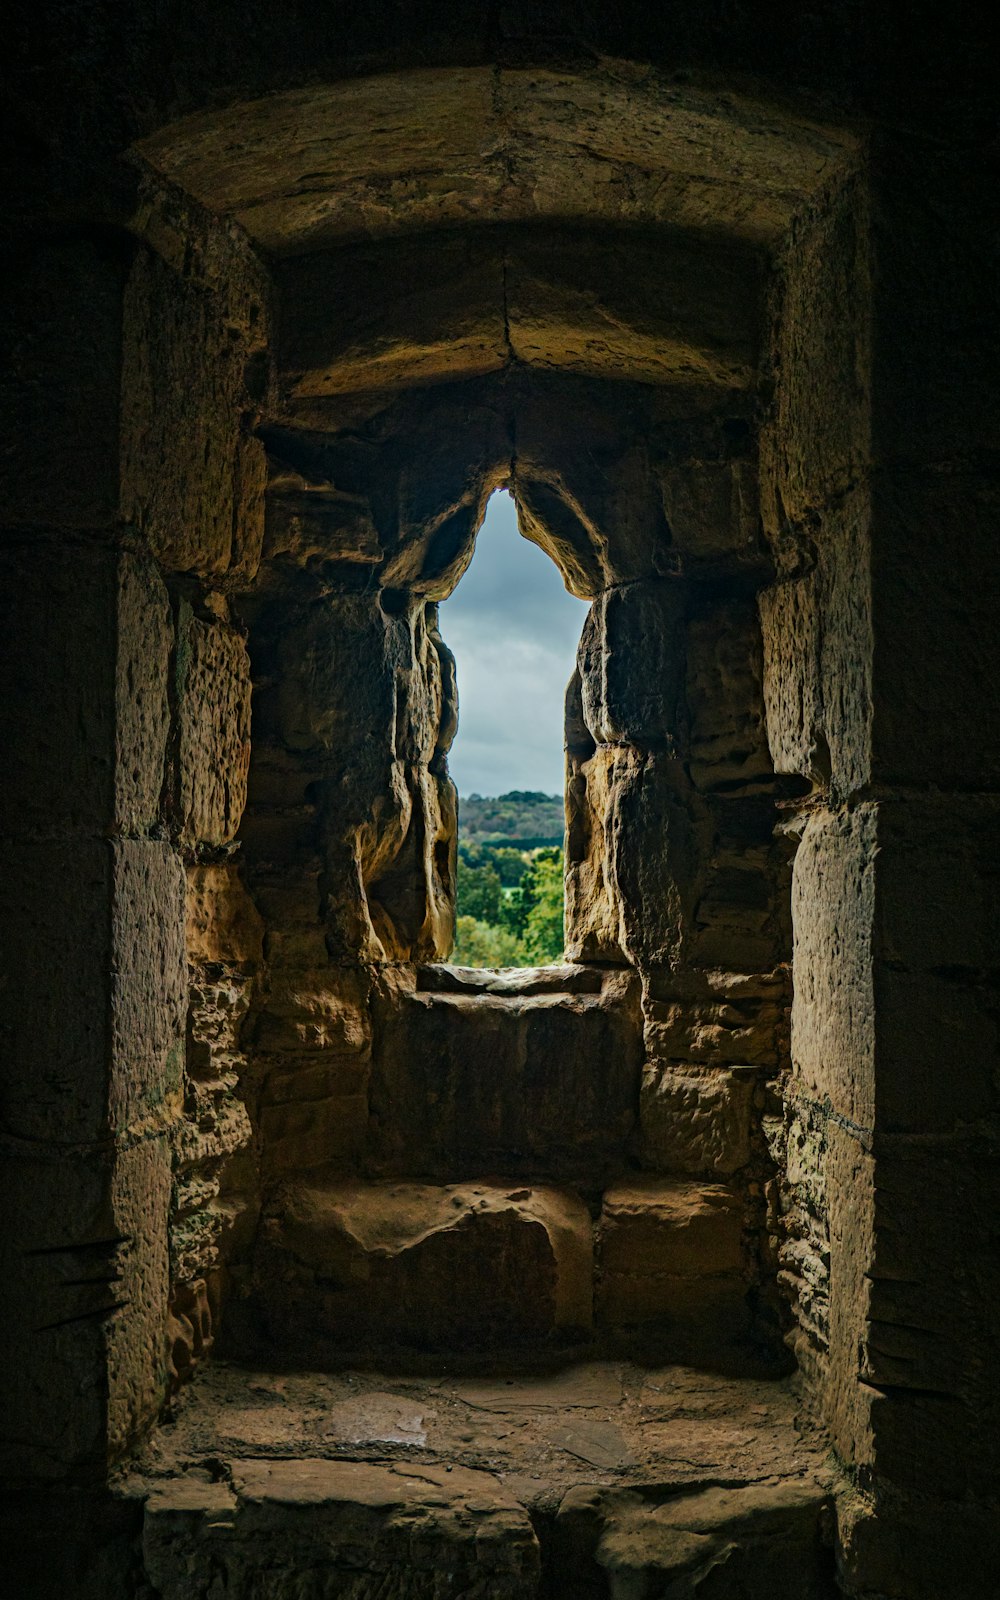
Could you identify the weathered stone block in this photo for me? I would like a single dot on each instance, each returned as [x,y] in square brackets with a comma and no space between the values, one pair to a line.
[695,1120]
[313,1111]
[670,1252]
[636,850]
[631,662]
[727,739]
[685,314]
[142,714]
[791,616]
[833,907]
[426,311]
[85,1263]
[148,983]
[349,1265]
[213,672]
[358,1529]
[711,507]
[817,631]
[325,1008]
[333,695]
[596,512]
[192,475]
[716,1018]
[541,1084]
[746,1543]
[738,921]
[223,924]
[136,1339]
[84,689]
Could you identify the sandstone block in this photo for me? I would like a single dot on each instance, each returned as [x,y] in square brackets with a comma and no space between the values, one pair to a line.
[324,1008]
[216,1009]
[740,920]
[349,1265]
[749,1543]
[659,315]
[192,478]
[425,311]
[790,614]
[631,662]
[711,507]
[223,924]
[84,689]
[112,1050]
[145,640]
[86,1267]
[149,981]
[670,1252]
[695,1120]
[637,848]
[136,1342]
[362,1529]
[833,1008]
[724,1029]
[540,1084]
[313,1110]
[214,729]
[727,739]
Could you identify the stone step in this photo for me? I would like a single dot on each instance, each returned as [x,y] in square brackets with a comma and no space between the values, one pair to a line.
[345,1268]
[600,1481]
[532,1073]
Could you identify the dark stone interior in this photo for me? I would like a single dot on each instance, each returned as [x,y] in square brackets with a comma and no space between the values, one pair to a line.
[334,1269]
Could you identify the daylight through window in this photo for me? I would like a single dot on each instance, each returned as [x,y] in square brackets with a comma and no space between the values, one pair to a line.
[514,630]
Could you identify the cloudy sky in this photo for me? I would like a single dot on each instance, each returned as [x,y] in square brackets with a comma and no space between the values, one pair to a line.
[514,630]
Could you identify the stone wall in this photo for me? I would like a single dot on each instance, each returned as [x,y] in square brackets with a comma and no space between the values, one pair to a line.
[835,371]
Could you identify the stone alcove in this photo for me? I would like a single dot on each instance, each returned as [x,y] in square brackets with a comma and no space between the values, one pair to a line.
[667,365]
[635,350]
[145,302]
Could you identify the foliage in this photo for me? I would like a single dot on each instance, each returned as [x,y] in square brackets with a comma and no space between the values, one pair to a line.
[542,892]
[480,892]
[518,925]
[509,898]
[523,816]
[481,944]
[509,864]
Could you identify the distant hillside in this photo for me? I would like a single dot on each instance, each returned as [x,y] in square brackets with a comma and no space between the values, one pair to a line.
[523,817]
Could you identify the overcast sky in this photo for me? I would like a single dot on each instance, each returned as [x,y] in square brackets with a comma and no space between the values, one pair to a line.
[514,630]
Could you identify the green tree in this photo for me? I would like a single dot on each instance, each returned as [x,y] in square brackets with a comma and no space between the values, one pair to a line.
[483,944]
[510,864]
[480,893]
[542,887]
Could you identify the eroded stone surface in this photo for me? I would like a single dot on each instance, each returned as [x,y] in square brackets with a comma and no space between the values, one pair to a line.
[695,1121]
[610,1462]
[502,1079]
[318,1527]
[672,1252]
[343,1265]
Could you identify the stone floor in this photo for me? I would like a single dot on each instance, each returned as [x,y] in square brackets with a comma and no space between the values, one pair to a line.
[602,1479]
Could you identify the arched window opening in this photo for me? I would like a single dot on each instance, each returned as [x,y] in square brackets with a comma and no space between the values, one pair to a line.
[514,630]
